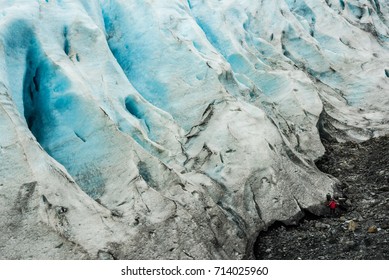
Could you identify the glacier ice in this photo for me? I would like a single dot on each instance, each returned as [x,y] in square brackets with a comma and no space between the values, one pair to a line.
[177,129]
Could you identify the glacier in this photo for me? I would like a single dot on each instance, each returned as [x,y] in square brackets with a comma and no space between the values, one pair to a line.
[177,129]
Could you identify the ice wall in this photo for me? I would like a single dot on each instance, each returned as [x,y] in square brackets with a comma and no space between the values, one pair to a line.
[177,129]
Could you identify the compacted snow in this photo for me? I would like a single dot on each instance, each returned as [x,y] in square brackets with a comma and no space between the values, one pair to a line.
[177,129]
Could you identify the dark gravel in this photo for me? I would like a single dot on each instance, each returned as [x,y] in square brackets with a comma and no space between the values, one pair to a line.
[360,230]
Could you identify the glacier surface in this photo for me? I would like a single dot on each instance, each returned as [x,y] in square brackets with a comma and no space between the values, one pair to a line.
[177,129]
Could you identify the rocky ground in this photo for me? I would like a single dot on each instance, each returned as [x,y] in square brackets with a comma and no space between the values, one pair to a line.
[358,231]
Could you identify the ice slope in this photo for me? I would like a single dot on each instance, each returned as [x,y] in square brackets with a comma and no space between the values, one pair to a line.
[177,129]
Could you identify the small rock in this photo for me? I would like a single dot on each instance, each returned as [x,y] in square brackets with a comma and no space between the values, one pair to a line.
[358,217]
[385,226]
[352,226]
[372,229]
[103,255]
[61,210]
[321,225]
[268,250]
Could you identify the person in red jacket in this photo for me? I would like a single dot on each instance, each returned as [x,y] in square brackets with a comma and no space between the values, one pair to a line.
[332,204]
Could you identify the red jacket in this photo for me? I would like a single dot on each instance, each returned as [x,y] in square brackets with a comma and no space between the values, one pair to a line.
[332,204]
